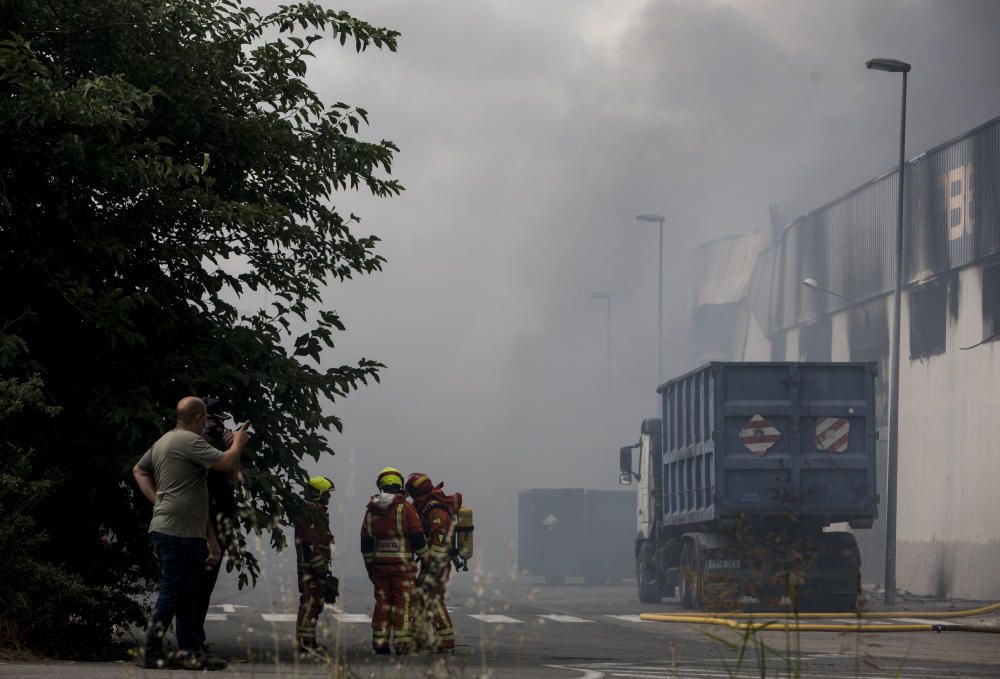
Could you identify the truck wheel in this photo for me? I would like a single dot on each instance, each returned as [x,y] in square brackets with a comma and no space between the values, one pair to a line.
[689,589]
[645,577]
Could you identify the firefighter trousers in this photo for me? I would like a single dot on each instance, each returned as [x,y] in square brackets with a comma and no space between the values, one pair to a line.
[436,630]
[391,619]
[312,587]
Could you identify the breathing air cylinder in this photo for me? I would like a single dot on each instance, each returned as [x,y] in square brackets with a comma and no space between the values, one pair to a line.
[463,538]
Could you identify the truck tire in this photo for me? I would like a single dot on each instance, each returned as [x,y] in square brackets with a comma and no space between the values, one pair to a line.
[840,553]
[689,589]
[645,578]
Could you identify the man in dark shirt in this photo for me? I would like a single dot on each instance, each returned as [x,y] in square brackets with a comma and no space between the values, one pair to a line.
[221,512]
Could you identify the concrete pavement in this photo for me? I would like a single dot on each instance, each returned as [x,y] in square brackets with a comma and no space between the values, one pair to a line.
[523,628]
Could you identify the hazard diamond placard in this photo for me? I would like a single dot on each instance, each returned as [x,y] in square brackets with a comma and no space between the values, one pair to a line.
[832,434]
[758,435]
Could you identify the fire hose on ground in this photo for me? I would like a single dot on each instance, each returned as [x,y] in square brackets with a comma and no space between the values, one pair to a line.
[742,622]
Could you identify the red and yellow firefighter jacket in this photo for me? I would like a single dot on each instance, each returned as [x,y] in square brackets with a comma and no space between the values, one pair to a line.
[437,510]
[392,535]
[313,539]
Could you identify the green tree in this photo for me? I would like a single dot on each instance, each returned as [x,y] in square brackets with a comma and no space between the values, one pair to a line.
[167,227]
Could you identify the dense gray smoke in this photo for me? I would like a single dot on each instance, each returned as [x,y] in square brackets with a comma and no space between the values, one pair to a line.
[531,134]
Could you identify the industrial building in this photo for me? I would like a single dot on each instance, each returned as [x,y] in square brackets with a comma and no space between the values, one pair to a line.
[820,289]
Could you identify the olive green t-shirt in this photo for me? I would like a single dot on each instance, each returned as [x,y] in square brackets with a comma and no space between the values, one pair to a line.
[179,462]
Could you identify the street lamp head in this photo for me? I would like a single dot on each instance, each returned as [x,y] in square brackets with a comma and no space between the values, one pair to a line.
[600,295]
[890,65]
[810,283]
[656,219]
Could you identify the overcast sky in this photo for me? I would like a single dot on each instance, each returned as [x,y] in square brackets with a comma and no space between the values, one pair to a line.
[531,134]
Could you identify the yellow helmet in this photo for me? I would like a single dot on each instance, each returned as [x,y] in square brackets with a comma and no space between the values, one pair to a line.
[390,476]
[318,485]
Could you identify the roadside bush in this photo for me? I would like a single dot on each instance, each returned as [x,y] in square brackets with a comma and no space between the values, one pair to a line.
[167,228]
[39,600]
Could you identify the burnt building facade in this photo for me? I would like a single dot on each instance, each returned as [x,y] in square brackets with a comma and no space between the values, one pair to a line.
[949,439]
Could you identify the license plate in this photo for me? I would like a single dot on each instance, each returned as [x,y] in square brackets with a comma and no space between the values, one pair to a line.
[714,564]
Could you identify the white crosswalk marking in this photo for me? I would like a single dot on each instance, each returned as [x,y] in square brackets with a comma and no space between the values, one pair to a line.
[711,670]
[351,618]
[823,656]
[920,621]
[279,617]
[556,617]
[494,619]
[347,618]
[228,608]
[627,618]
[587,674]
[489,618]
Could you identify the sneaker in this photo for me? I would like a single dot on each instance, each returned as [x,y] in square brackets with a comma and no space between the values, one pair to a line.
[147,662]
[184,660]
[213,663]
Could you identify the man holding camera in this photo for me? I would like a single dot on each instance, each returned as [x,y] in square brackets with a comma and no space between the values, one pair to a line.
[172,475]
[221,512]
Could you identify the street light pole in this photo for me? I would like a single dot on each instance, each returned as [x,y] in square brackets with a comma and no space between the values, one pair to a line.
[894,66]
[659,331]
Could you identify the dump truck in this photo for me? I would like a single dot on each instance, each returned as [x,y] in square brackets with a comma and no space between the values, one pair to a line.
[575,533]
[743,479]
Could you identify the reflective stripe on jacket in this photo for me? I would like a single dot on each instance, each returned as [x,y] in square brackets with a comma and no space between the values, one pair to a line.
[391,533]
[438,528]
[313,539]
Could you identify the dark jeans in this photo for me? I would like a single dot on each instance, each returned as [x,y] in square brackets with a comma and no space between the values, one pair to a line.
[207,577]
[181,560]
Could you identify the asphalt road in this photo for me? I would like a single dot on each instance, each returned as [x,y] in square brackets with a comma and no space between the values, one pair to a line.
[527,629]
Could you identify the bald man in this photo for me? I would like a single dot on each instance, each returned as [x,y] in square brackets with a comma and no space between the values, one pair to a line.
[172,475]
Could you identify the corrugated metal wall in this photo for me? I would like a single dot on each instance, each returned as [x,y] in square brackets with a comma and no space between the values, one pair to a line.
[731,260]
[951,218]
[688,412]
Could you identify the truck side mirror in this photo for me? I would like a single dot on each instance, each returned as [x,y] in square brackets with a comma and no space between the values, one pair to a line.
[625,460]
[625,466]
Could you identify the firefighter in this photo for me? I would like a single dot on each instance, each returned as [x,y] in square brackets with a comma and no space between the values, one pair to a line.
[312,554]
[391,541]
[437,512]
